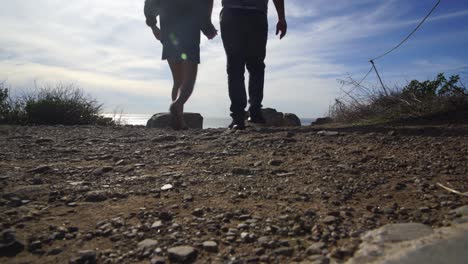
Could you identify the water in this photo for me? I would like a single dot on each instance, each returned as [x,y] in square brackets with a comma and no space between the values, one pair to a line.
[208,122]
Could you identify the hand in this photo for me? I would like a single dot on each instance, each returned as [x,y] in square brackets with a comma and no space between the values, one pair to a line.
[282,27]
[212,34]
[156,32]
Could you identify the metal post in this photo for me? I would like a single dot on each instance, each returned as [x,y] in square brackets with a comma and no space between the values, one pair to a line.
[378,75]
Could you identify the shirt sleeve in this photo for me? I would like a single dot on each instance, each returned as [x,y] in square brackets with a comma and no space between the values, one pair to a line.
[151,12]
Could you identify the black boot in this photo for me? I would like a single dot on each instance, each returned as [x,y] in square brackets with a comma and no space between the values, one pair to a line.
[238,122]
[256,117]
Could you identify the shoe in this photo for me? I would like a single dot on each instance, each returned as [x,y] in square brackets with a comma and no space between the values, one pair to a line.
[256,117]
[237,125]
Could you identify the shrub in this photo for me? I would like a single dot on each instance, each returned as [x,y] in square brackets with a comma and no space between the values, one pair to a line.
[417,99]
[59,105]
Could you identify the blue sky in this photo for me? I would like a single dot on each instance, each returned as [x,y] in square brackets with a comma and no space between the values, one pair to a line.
[105,47]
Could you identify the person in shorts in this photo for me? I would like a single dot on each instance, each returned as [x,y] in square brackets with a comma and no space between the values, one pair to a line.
[179,32]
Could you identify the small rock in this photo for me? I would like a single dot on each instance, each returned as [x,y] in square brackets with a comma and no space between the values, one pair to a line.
[158,260]
[210,246]
[275,162]
[41,169]
[182,254]
[461,210]
[188,198]
[101,170]
[85,257]
[166,187]
[157,224]
[240,171]
[147,245]
[9,245]
[315,248]
[329,219]
[198,212]
[165,216]
[318,259]
[44,140]
[328,133]
[54,252]
[165,138]
[96,196]
[284,251]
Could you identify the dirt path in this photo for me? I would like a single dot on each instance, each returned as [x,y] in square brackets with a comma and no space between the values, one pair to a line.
[263,195]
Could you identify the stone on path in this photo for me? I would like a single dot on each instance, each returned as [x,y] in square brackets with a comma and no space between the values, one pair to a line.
[182,254]
[413,243]
[9,245]
[210,246]
[147,245]
[163,120]
[85,257]
[96,196]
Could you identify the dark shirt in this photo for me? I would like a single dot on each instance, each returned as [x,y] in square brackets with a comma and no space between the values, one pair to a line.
[260,5]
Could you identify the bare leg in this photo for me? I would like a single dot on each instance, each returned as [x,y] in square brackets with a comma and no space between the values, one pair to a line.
[177,76]
[189,76]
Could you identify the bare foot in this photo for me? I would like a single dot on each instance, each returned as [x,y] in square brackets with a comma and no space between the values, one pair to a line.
[177,114]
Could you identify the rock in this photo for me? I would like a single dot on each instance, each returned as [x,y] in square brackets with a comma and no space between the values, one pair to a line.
[147,245]
[165,138]
[166,187]
[445,245]
[44,140]
[85,257]
[291,120]
[157,224]
[461,210]
[198,212]
[158,260]
[9,245]
[165,216]
[275,162]
[96,196]
[397,233]
[182,254]
[317,259]
[240,171]
[315,248]
[329,219]
[284,251]
[210,246]
[328,133]
[101,170]
[41,169]
[322,121]
[163,120]
[272,117]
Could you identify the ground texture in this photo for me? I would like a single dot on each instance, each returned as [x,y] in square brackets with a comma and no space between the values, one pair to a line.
[137,195]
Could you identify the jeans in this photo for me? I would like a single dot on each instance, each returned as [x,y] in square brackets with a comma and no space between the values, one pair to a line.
[244,33]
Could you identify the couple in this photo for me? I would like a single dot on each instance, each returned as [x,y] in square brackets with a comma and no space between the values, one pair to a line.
[244,31]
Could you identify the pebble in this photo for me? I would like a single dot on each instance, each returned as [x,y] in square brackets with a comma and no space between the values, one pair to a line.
[85,257]
[166,187]
[315,248]
[147,245]
[284,251]
[275,162]
[210,246]
[329,219]
[158,260]
[41,169]
[182,254]
[157,224]
[96,196]
[9,245]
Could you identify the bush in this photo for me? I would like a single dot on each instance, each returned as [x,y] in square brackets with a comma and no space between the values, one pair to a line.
[417,99]
[59,105]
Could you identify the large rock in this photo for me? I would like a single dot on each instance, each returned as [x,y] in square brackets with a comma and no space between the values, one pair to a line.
[278,119]
[163,120]
[291,120]
[413,243]
[272,117]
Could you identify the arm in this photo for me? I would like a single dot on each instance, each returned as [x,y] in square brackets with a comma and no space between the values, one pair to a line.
[151,11]
[208,28]
[282,26]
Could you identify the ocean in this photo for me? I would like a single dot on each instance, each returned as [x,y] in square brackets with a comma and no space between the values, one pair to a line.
[208,122]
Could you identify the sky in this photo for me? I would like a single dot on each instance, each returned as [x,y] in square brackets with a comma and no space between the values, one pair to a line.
[106,48]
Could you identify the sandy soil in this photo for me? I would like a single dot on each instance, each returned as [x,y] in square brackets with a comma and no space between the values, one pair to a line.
[262,195]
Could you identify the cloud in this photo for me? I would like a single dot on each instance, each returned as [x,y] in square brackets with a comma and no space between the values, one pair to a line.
[105,47]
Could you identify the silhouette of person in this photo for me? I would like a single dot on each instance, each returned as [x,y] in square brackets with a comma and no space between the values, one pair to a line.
[180,24]
[244,30]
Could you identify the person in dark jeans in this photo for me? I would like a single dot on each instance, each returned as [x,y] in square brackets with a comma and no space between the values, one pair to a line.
[244,30]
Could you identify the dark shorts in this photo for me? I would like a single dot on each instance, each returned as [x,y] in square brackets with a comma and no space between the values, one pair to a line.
[180,32]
